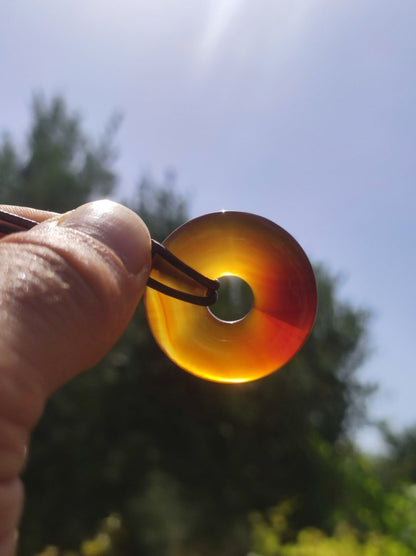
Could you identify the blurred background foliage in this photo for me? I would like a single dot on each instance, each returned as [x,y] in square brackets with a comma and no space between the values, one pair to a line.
[137,457]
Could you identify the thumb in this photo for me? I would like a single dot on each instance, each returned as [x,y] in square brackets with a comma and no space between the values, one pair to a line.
[68,288]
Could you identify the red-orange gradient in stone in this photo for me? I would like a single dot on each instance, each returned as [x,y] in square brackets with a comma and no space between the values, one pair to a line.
[284,290]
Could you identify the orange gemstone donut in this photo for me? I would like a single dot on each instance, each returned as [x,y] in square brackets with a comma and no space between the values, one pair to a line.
[284,290]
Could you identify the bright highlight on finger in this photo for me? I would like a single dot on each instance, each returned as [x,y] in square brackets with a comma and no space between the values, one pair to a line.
[284,299]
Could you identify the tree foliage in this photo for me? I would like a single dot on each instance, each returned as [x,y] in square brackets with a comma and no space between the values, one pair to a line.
[271,535]
[398,465]
[270,529]
[159,205]
[61,167]
[182,461]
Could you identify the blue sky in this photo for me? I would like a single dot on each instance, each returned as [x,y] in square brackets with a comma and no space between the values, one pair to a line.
[302,111]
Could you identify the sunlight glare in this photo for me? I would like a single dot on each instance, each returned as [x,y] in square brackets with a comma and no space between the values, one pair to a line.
[219,19]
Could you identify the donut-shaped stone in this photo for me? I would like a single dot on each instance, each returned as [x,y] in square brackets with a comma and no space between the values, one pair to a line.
[284,290]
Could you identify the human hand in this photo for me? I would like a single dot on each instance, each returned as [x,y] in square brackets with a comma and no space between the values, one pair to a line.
[68,289]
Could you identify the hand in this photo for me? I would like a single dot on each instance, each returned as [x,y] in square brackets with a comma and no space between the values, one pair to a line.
[68,289]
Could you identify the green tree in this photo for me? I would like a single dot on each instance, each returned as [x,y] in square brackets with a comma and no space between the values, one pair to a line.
[61,167]
[269,531]
[159,205]
[182,461]
[398,466]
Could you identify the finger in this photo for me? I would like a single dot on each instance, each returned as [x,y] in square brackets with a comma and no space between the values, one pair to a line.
[11,504]
[8,544]
[28,212]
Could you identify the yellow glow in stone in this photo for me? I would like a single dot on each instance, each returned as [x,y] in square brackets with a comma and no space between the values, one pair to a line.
[284,291]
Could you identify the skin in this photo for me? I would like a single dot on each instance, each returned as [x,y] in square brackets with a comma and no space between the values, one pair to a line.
[68,289]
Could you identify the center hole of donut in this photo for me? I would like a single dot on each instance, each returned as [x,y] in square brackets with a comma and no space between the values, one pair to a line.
[235,299]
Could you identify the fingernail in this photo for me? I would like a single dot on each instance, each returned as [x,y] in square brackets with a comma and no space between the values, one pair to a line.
[117,227]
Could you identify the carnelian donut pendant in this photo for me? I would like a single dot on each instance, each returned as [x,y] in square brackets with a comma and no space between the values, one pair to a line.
[284,298]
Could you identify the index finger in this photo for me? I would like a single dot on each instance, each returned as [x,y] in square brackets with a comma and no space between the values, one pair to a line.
[29,212]
[10,215]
